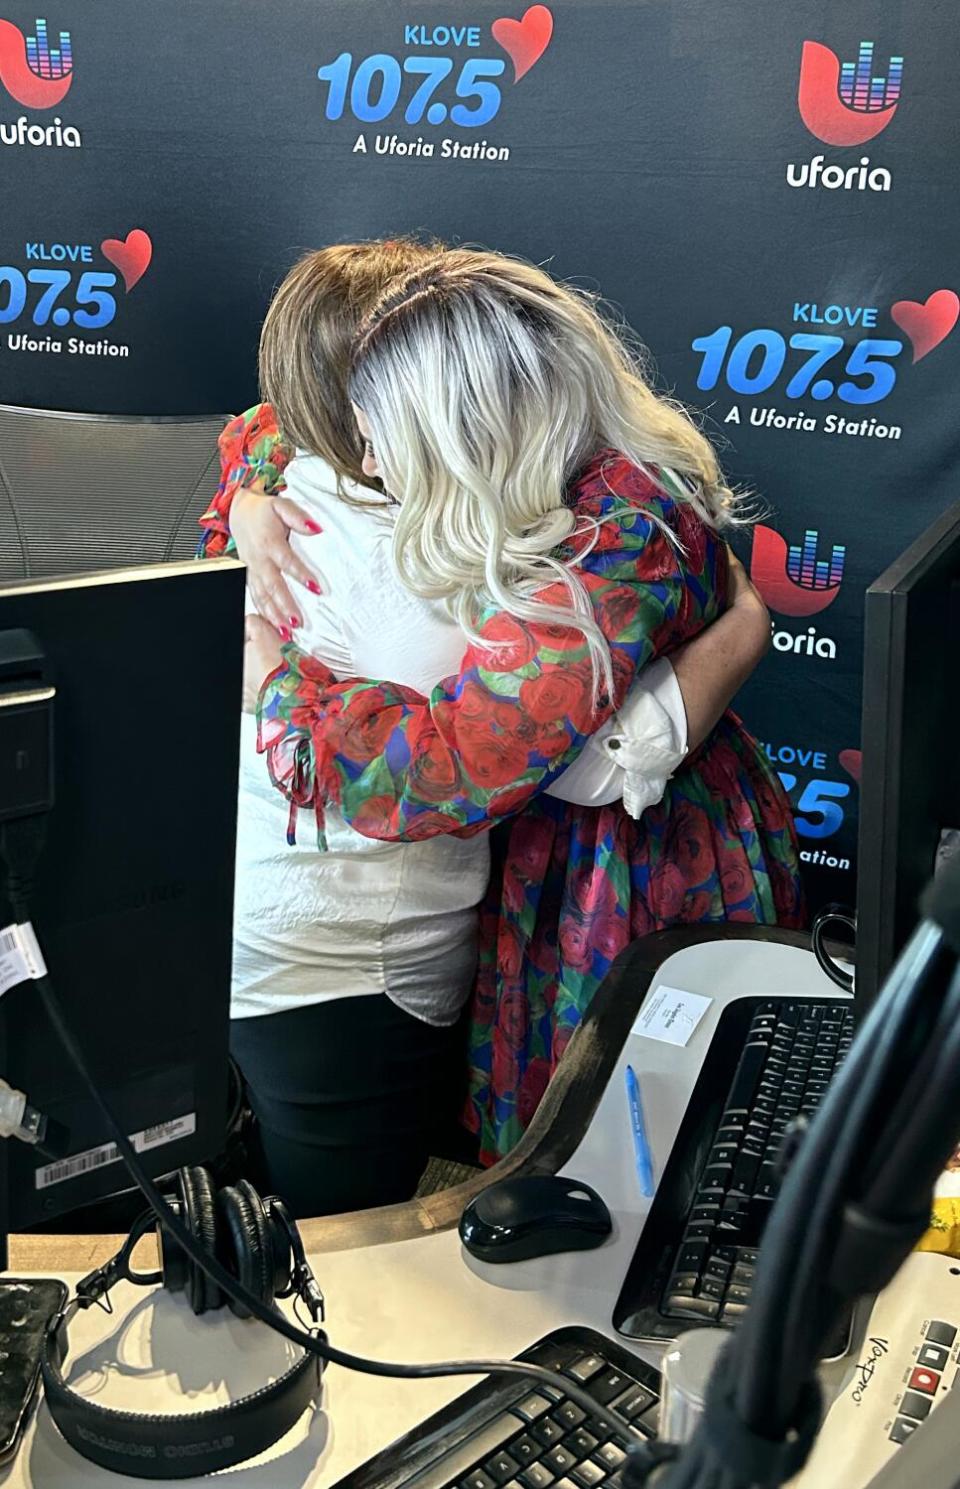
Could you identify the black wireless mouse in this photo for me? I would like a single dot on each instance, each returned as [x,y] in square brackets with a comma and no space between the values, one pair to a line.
[519,1218]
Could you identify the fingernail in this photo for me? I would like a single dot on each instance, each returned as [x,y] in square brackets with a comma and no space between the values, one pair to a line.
[313,527]
[295,621]
[314,587]
[285,634]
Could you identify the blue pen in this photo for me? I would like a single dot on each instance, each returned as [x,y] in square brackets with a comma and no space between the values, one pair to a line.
[641,1143]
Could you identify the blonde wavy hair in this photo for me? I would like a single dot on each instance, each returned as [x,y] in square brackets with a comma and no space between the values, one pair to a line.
[487,386]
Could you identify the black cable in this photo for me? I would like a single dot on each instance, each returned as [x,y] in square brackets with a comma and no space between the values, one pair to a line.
[785,1247]
[21,858]
[868,1104]
[233,1289]
[800,1231]
[799,1234]
[901,1113]
[918,1146]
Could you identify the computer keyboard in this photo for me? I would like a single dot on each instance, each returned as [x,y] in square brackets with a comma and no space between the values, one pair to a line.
[511,1433]
[695,1262]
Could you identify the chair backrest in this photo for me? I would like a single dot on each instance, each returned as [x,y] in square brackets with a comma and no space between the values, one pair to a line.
[80,492]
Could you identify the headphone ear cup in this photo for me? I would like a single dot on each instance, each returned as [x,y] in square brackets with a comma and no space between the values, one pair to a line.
[280,1252]
[200,1215]
[247,1231]
[174,1264]
[200,1198]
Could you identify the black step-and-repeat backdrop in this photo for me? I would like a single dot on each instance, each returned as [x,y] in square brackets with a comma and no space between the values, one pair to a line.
[767,191]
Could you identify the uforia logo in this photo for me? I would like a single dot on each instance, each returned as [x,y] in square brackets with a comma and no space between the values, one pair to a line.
[428,86]
[793,580]
[795,583]
[38,76]
[844,104]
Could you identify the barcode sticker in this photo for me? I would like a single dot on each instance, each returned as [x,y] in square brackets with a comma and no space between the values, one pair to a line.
[21,959]
[165,1132]
[80,1163]
[142,1142]
[13,965]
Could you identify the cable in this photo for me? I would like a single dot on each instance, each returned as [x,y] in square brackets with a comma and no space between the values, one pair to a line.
[781,1320]
[274,1320]
[872,1126]
[874,1107]
[912,1151]
[21,853]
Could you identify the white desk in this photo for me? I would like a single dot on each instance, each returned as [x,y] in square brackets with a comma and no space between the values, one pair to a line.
[418,1299]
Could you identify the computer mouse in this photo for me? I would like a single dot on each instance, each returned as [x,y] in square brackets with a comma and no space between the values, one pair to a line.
[536,1216]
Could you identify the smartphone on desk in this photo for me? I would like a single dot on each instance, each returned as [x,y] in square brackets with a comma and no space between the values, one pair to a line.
[27,1304]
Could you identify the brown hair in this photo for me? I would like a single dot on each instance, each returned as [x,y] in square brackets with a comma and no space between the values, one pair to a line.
[306,341]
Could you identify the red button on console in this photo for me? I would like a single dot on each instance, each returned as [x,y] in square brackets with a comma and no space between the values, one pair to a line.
[924,1380]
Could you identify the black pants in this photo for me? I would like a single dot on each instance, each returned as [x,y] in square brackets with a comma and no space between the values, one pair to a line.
[351,1098]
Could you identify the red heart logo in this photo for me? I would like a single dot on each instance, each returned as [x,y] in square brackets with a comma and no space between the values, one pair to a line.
[524,41]
[927,325]
[851,761]
[131,255]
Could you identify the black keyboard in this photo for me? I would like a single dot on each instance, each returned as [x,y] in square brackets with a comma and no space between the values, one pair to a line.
[696,1258]
[511,1433]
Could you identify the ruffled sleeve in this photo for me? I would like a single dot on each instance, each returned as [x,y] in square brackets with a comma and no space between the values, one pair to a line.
[401,766]
[251,449]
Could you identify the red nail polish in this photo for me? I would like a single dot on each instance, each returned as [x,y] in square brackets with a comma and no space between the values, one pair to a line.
[314,587]
[295,621]
[313,527]
[285,634]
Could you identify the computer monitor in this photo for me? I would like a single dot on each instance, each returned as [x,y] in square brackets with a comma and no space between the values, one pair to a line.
[134,895]
[910,784]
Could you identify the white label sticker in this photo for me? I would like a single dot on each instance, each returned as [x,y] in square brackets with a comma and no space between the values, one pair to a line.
[30,947]
[671,1015]
[165,1132]
[21,959]
[143,1142]
[13,964]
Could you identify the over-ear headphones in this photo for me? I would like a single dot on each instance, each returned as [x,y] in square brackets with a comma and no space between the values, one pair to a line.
[257,1241]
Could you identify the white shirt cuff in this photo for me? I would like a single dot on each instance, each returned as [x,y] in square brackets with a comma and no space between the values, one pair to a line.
[634,754]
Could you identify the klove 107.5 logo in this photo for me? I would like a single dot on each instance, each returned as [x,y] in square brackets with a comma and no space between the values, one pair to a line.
[444,74]
[818,795]
[63,288]
[821,361]
[36,74]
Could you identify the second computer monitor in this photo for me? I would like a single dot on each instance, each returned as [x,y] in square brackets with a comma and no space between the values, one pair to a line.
[910,786]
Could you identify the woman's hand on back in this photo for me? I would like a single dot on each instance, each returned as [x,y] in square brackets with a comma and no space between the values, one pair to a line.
[261,526]
[743,595]
[713,667]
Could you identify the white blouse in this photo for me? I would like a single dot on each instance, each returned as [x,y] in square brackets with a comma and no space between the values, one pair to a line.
[396,918]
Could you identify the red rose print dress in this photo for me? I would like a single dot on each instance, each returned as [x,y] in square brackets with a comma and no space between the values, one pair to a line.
[571,885]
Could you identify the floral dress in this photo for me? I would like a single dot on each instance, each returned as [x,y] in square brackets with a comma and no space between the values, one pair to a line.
[571,885]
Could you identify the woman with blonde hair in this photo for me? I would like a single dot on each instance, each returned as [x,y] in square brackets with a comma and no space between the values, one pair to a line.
[351,966]
[570,520]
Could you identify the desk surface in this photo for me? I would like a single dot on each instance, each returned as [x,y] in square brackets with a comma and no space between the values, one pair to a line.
[412,1299]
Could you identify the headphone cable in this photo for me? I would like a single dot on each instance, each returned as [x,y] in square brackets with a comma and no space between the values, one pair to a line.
[21,842]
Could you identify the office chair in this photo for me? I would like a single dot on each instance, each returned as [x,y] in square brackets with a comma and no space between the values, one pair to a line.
[82,492]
